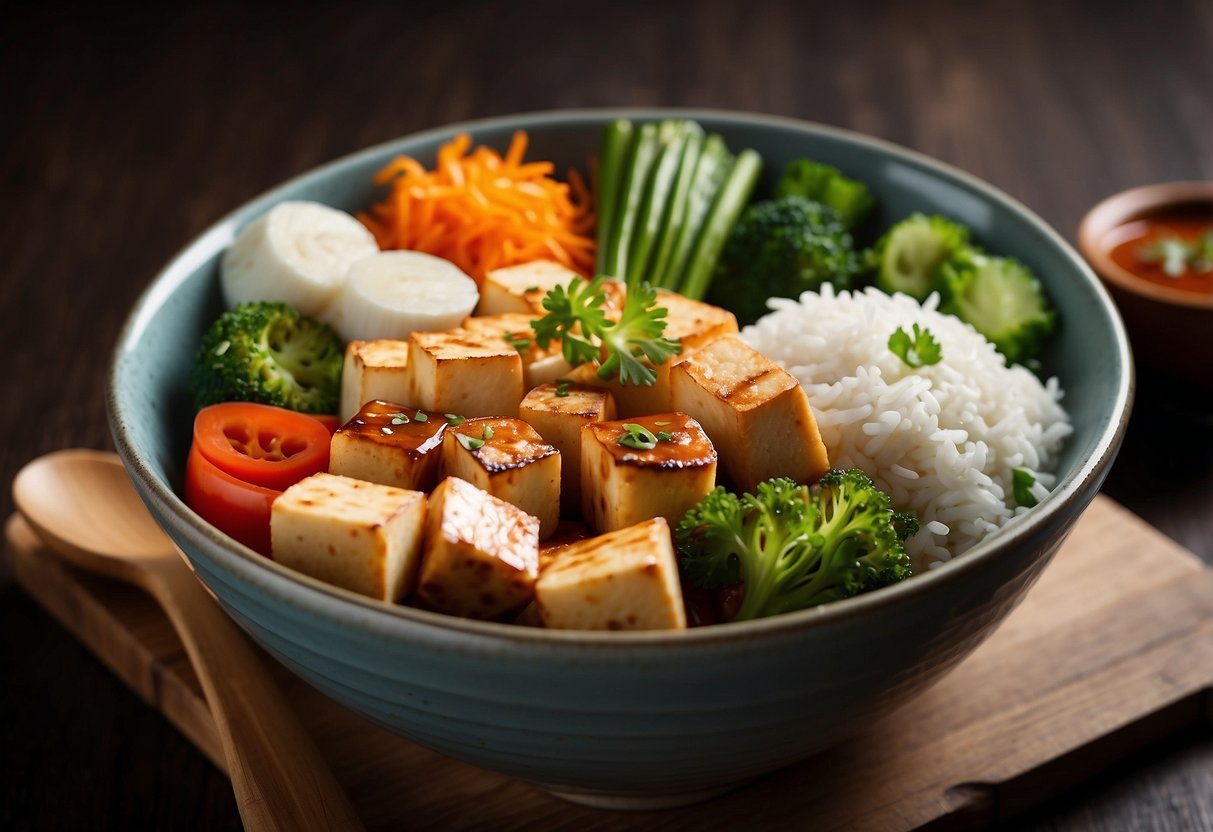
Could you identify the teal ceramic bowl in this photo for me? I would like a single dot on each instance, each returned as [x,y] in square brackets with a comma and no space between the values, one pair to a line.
[641,719]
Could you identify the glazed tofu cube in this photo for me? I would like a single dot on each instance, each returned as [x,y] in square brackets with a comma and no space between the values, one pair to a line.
[373,370]
[693,323]
[622,485]
[481,554]
[389,444]
[521,288]
[559,420]
[358,535]
[623,580]
[539,365]
[510,460]
[755,412]
[469,373]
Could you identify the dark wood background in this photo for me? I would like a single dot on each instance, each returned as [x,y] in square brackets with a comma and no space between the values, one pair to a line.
[125,133]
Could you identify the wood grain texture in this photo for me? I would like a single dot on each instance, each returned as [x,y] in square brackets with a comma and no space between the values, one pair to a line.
[1095,663]
[127,131]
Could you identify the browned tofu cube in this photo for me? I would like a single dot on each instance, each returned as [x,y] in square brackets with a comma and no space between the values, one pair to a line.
[521,288]
[373,370]
[622,484]
[693,323]
[469,373]
[390,444]
[358,535]
[539,365]
[510,460]
[481,554]
[622,580]
[755,412]
[559,412]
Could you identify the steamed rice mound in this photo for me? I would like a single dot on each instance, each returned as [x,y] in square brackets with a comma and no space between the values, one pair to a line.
[942,440]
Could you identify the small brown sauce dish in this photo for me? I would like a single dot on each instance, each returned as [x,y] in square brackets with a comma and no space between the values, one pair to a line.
[1153,248]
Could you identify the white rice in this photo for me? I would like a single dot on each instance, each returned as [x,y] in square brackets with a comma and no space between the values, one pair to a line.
[942,440]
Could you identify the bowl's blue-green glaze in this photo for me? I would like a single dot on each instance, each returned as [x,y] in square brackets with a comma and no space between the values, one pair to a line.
[644,717]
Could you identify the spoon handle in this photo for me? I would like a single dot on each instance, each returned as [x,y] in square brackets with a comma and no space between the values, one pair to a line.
[281,781]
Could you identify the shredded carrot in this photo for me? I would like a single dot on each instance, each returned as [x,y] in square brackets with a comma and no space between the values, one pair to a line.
[483,211]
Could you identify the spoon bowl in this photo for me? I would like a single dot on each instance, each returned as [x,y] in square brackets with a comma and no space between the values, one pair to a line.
[83,506]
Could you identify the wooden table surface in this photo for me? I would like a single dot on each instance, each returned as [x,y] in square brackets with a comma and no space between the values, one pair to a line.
[125,133]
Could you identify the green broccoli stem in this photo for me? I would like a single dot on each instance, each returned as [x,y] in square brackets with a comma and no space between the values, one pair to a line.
[672,136]
[764,577]
[636,173]
[731,200]
[616,140]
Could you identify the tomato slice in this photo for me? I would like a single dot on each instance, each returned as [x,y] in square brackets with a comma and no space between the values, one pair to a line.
[260,444]
[329,420]
[237,508]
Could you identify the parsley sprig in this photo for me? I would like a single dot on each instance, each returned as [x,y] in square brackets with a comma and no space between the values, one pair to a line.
[576,316]
[920,350]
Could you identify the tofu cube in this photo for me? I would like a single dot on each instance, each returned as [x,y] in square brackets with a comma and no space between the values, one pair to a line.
[539,366]
[468,373]
[510,460]
[521,288]
[559,420]
[358,535]
[389,444]
[622,485]
[622,580]
[481,554]
[755,412]
[630,399]
[693,323]
[373,370]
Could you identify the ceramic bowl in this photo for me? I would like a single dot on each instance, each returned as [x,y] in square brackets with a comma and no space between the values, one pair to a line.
[630,719]
[1169,328]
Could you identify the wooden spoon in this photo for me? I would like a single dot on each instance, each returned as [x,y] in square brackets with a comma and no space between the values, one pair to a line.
[83,506]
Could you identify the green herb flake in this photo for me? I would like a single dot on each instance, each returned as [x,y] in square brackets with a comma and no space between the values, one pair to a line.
[920,350]
[488,432]
[470,443]
[1173,253]
[386,430]
[530,290]
[519,342]
[562,389]
[399,419]
[662,424]
[453,419]
[665,436]
[1022,481]
[421,416]
[637,437]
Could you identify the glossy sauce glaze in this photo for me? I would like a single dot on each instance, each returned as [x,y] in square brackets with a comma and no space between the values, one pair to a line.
[415,431]
[687,446]
[500,443]
[1134,245]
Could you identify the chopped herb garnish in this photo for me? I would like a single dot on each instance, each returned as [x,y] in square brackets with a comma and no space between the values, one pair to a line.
[919,351]
[665,436]
[662,424]
[577,318]
[1177,256]
[399,419]
[453,419]
[562,389]
[1022,481]
[421,416]
[470,443]
[488,432]
[519,342]
[387,430]
[638,437]
[531,289]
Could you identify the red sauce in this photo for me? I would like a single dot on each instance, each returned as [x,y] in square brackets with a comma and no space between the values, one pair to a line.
[1132,243]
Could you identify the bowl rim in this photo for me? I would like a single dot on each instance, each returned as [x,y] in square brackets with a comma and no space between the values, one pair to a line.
[1136,203]
[316,597]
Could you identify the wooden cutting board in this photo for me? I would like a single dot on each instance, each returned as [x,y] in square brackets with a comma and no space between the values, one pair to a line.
[1111,650]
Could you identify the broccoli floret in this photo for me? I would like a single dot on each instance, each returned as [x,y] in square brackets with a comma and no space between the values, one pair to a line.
[780,248]
[1002,300]
[825,184]
[795,546]
[267,353]
[910,254]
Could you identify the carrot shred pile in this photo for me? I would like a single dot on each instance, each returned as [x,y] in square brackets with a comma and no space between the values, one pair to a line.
[483,211]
